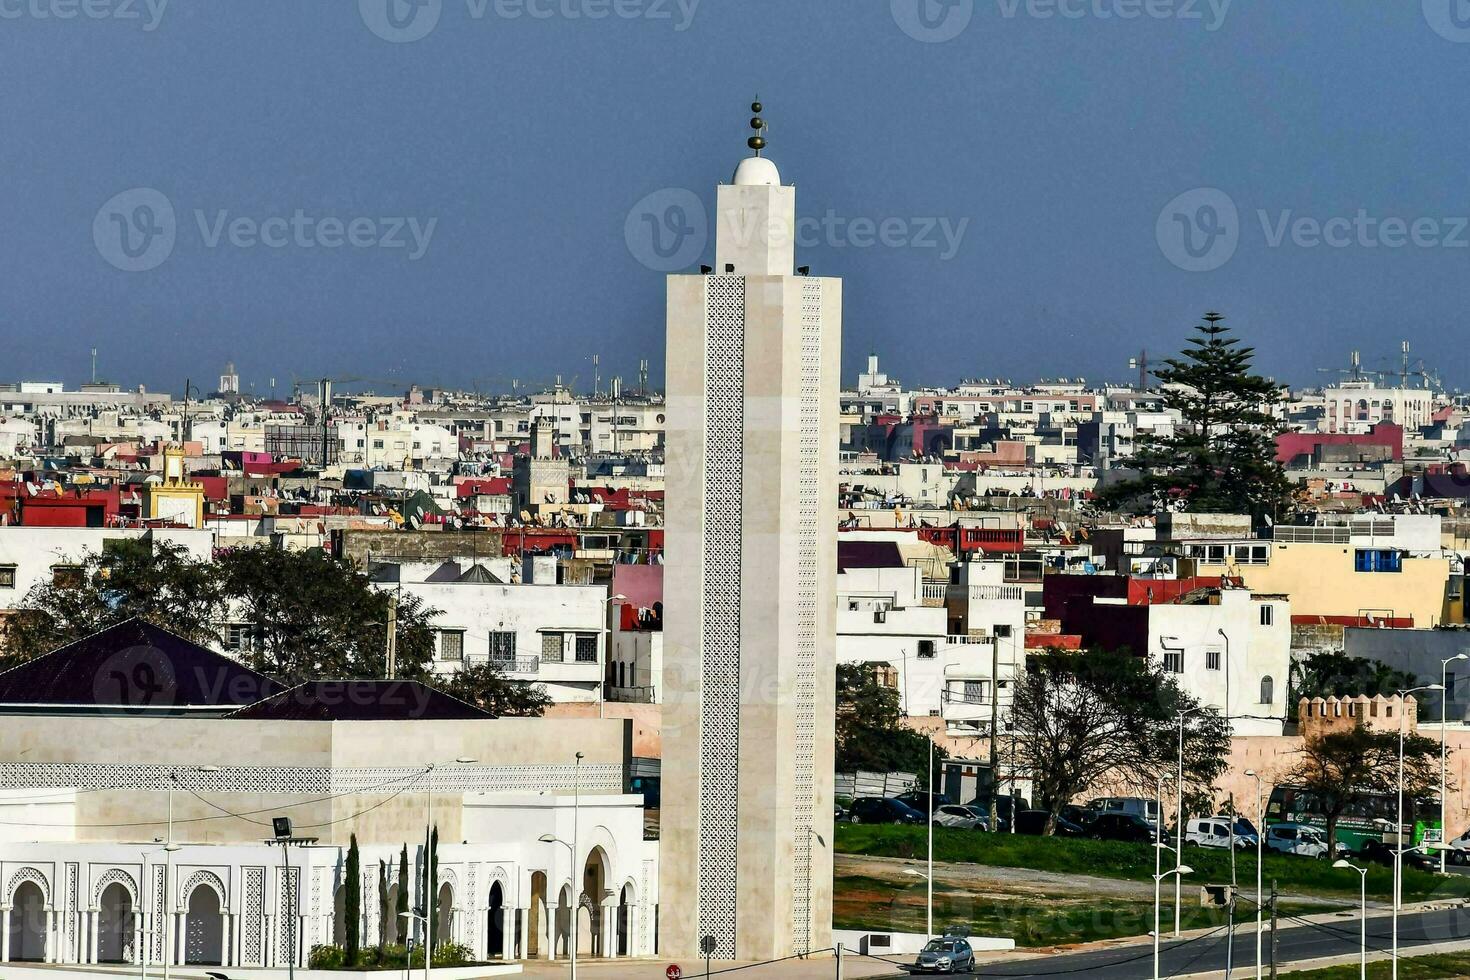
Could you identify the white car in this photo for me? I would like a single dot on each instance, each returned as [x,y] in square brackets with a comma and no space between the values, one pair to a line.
[959,817]
[1215,832]
[1296,838]
[1459,852]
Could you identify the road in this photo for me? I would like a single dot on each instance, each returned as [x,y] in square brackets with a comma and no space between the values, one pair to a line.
[1335,938]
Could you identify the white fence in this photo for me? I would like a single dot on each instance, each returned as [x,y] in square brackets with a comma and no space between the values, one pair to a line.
[856,784]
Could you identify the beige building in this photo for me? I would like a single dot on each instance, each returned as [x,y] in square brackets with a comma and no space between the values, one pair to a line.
[753,364]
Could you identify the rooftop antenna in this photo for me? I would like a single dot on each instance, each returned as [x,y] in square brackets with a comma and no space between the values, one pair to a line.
[94,365]
[758,141]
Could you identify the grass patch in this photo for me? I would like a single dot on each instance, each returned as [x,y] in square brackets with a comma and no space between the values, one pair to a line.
[866,903]
[1442,967]
[1135,862]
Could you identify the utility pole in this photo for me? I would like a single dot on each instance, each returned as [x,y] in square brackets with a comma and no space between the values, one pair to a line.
[390,653]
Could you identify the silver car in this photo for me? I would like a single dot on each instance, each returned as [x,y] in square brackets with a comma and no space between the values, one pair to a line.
[947,955]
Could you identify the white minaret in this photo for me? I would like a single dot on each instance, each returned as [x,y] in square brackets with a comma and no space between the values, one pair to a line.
[754,356]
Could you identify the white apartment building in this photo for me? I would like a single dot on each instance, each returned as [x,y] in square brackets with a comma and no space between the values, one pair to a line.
[536,631]
[1357,406]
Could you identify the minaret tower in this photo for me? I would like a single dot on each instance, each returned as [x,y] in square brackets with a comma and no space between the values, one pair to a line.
[754,354]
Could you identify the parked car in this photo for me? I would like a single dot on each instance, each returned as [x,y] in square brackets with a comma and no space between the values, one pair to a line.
[920,801]
[1124,827]
[958,817]
[1460,853]
[982,814]
[1147,809]
[1296,838]
[948,955]
[1033,822]
[1215,832]
[879,809]
[1079,815]
[1381,853]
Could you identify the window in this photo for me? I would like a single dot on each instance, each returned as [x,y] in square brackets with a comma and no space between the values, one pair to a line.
[451,645]
[237,637]
[1268,690]
[502,646]
[1212,660]
[553,648]
[976,692]
[880,615]
[1370,560]
[1003,631]
[586,648]
[1268,615]
[7,576]
[66,576]
[1173,661]
[926,649]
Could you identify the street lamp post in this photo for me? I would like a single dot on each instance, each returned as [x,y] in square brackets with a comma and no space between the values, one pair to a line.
[1444,721]
[144,912]
[1260,852]
[1179,825]
[1230,730]
[1363,933]
[169,847]
[1399,849]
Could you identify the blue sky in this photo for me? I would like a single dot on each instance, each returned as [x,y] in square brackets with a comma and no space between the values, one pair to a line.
[463,207]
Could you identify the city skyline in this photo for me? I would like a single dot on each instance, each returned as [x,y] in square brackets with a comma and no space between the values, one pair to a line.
[1006,196]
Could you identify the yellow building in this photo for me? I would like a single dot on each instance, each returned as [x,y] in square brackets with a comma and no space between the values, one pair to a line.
[1335,579]
[177,498]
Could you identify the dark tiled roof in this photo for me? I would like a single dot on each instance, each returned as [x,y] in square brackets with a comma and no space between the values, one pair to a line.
[361,701]
[133,667]
[868,554]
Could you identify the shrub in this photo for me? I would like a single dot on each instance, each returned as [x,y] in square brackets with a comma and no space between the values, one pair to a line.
[327,958]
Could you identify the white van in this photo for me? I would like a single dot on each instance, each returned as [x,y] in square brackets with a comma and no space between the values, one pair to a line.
[1297,838]
[1215,832]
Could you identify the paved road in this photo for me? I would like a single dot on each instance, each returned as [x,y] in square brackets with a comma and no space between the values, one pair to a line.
[1335,938]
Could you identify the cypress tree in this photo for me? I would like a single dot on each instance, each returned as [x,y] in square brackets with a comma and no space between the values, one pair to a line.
[353,901]
[400,907]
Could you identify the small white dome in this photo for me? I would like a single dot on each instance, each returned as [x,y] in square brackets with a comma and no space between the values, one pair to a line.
[757,172]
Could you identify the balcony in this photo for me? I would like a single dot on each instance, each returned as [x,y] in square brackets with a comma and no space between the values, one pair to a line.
[510,666]
[934,594]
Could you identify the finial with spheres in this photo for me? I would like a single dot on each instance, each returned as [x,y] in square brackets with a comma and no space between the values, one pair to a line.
[758,141]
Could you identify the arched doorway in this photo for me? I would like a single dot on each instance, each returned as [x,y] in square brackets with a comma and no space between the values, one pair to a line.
[538,940]
[339,916]
[625,921]
[444,917]
[115,924]
[390,917]
[204,928]
[590,928]
[562,941]
[495,940]
[28,923]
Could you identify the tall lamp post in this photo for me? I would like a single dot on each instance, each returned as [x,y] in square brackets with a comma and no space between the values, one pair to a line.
[1178,871]
[1363,928]
[1230,731]
[929,879]
[1260,852]
[144,913]
[1179,824]
[1444,721]
[1399,849]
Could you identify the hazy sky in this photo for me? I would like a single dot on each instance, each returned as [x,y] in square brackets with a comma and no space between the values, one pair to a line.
[465,191]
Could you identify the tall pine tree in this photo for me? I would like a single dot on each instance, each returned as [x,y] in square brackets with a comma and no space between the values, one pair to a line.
[1222,456]
[353,901]
[400,906]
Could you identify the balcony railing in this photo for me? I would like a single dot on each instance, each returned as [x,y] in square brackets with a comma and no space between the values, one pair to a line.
[507,665]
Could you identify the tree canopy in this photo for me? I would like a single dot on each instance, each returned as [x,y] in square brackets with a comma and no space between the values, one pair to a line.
[1085,719]
[1222,457]
[870,733]
[305,616]
[1328,674]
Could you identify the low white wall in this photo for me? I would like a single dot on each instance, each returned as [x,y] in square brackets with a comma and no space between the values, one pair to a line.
[14,971]
[908,942]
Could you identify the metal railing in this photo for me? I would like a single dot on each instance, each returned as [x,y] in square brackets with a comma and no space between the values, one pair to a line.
[508,665]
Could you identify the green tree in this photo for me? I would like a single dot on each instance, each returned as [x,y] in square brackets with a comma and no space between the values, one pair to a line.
[484,685]
[870,734]
[383,910]
[1336,766]
[1082,718]
[157,581]
[1222,457]
[400,905]
[352,901]
[1328,674]
[431,883]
